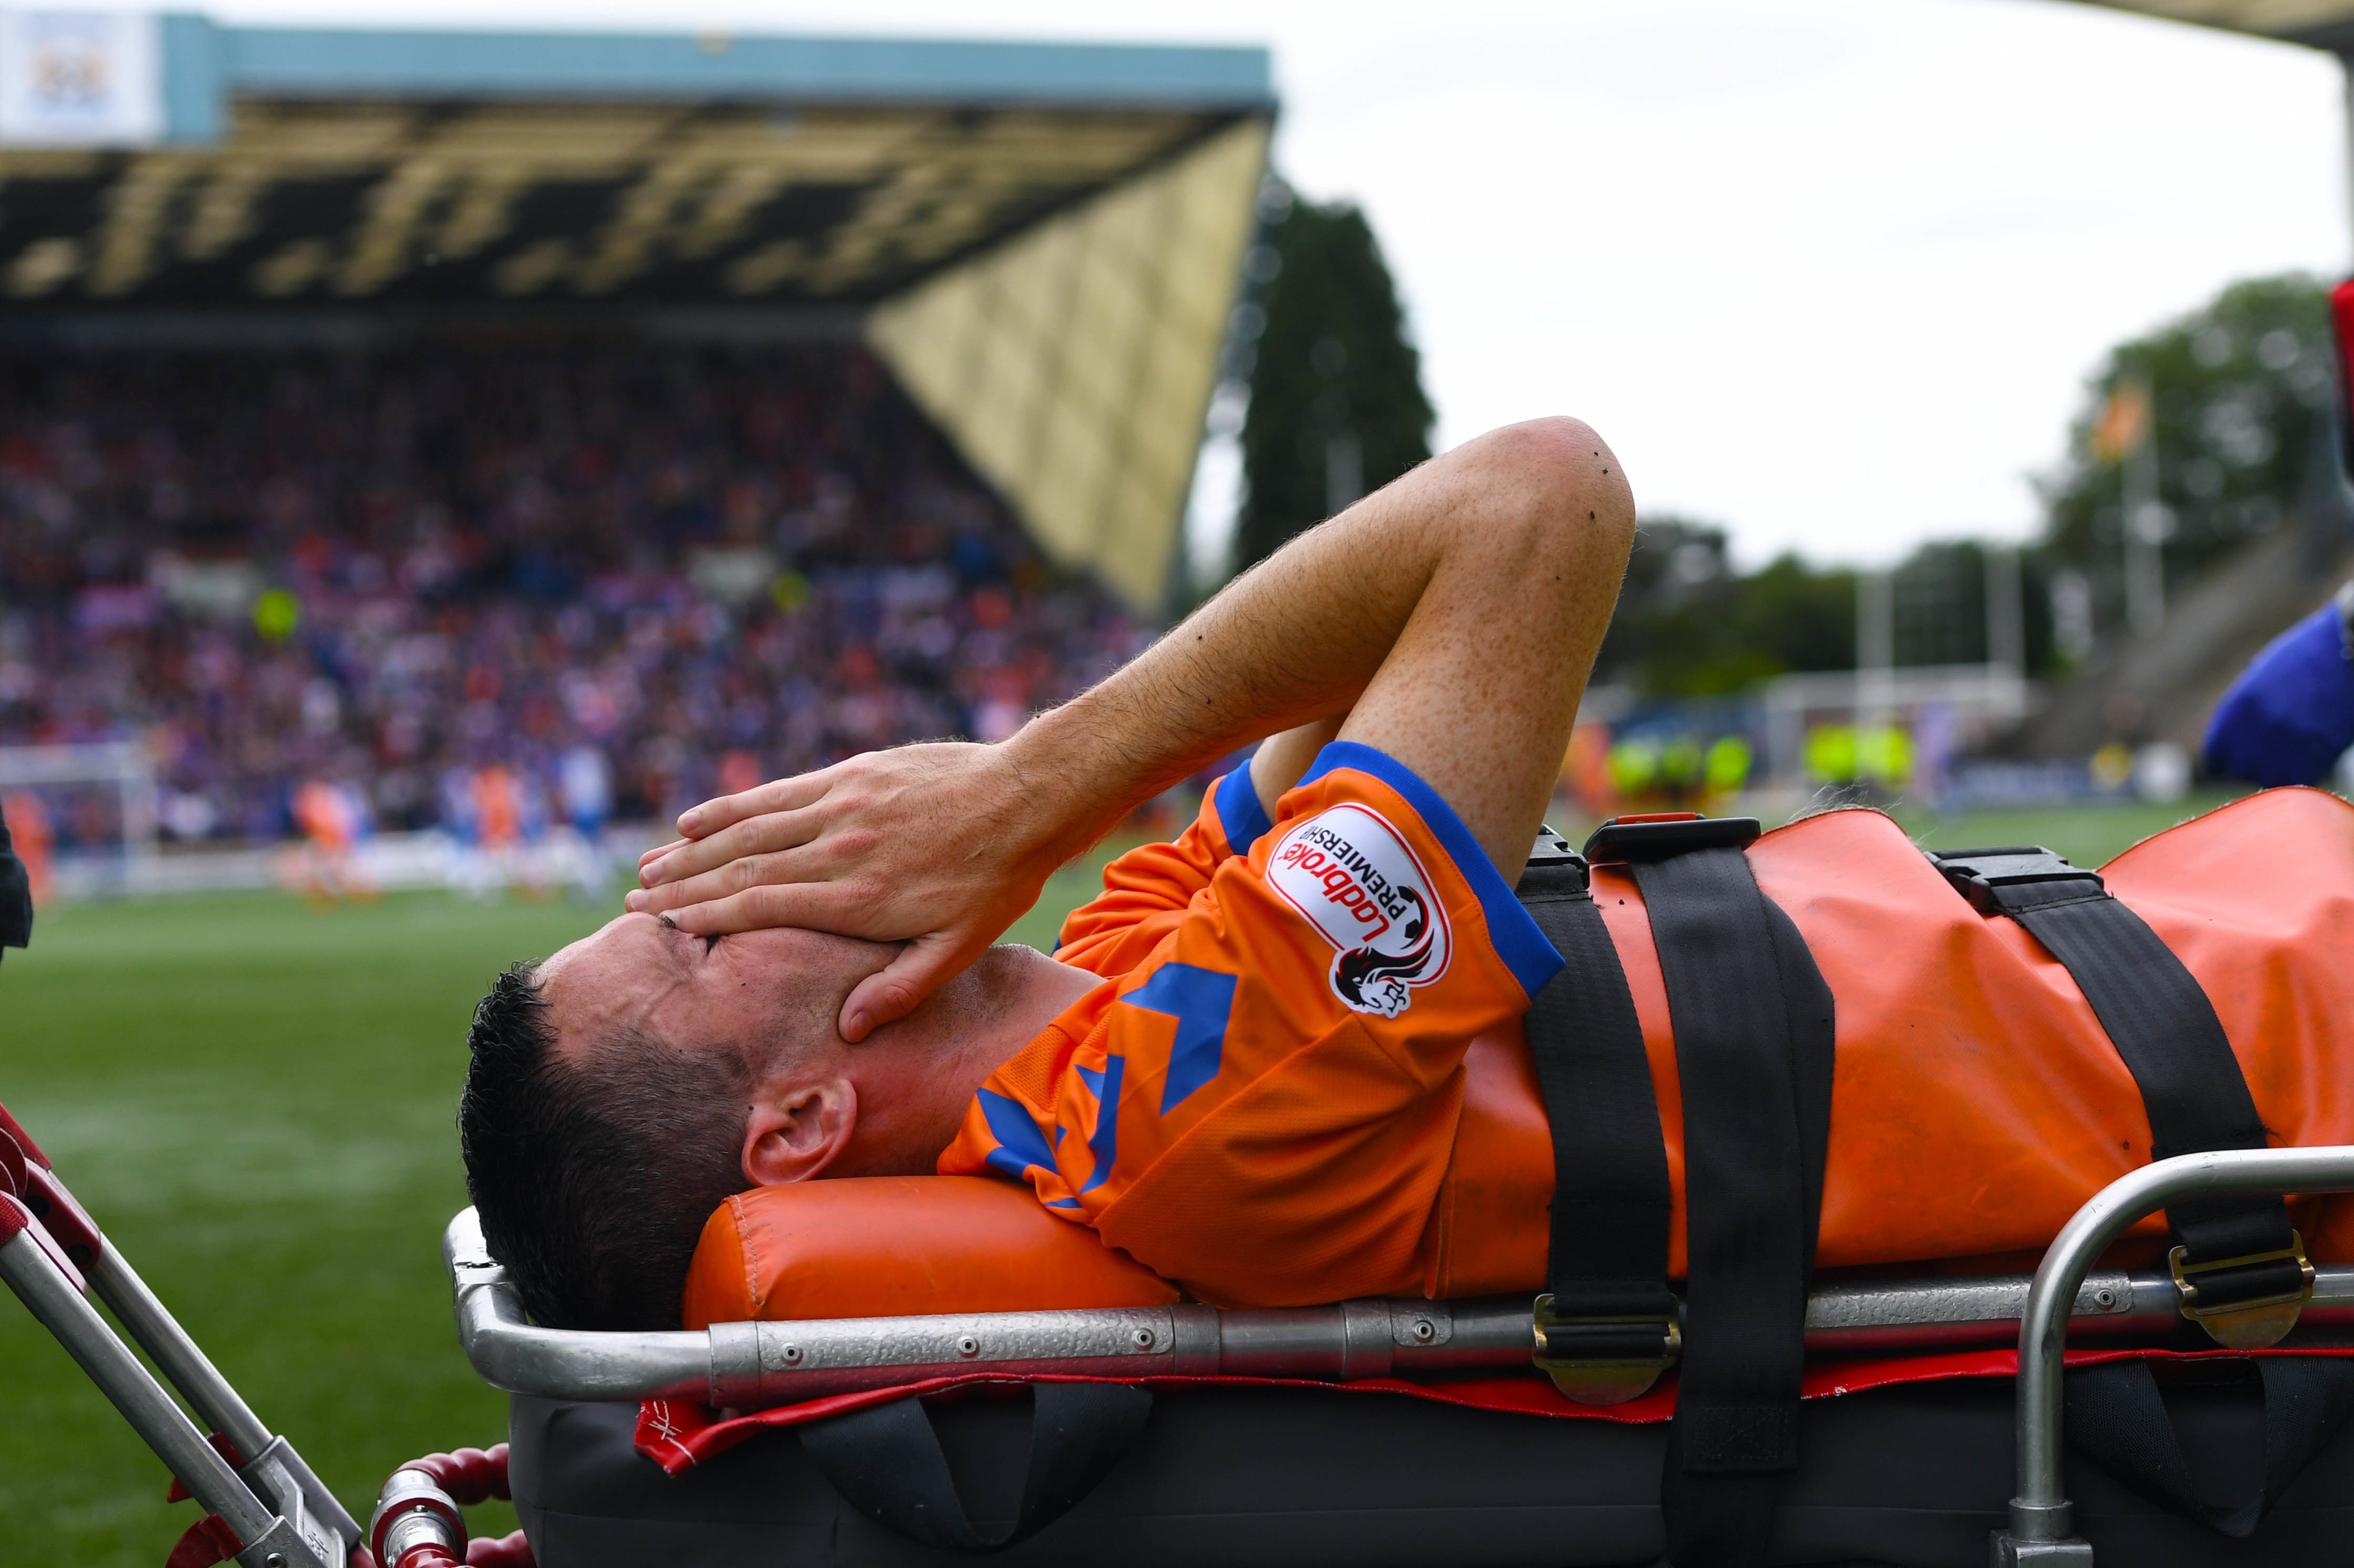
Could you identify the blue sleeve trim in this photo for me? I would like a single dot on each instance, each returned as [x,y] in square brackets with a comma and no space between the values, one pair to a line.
[1240,816]
[1518,942]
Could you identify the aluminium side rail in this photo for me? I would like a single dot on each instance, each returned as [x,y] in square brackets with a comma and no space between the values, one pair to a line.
[750,1366]
[52,1255]
[2043,1520]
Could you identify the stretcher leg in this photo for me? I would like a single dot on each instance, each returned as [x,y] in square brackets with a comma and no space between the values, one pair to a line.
[270,1540]
[208,1393]
[2043,1525]
[51,1256]
[417,1522]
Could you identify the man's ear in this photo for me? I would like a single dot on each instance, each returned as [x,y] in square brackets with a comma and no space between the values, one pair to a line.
[794,1134]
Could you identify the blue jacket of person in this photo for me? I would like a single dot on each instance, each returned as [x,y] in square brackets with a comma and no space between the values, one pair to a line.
[2290,715]
[15,895]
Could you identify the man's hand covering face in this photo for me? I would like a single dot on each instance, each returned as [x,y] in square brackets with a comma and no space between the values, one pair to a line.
[940,846]
[1447,620]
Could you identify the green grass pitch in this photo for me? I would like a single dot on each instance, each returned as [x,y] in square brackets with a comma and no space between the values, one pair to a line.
[254,1099]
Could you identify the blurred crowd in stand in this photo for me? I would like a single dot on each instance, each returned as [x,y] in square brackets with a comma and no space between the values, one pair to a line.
[487,586]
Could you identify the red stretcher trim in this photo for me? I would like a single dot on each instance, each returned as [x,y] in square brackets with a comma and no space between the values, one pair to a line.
[679,1434]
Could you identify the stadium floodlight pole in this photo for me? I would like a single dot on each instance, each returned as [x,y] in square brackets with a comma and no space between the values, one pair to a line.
[2006,614]
[2043,1520]
[1875,651]
[2146,522]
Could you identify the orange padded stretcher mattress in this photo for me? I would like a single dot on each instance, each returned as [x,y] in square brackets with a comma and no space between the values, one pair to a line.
[1976,1103]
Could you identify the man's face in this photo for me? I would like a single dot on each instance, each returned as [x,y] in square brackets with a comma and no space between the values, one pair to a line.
[704,992]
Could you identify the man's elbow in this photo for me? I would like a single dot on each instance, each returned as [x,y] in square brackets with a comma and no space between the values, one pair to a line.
[1557,484]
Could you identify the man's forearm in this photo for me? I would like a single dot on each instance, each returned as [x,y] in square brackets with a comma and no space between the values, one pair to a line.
[1447,620]
[1296,638]
[1293,639]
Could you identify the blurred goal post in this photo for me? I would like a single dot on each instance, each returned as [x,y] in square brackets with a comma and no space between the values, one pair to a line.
[121,766]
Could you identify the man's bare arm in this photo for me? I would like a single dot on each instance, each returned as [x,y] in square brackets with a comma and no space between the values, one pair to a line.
[1282,760]
[1452,617]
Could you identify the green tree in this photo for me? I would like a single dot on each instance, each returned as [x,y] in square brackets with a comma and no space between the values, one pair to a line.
[1688,625]
[1337,408]
[2241,395]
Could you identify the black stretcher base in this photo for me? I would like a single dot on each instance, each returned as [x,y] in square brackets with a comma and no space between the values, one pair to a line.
[1914,1476]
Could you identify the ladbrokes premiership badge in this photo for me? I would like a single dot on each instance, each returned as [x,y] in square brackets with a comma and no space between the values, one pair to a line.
[1353,876]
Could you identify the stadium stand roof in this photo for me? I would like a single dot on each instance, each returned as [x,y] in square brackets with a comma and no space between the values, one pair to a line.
[1044,241]
[2324,24]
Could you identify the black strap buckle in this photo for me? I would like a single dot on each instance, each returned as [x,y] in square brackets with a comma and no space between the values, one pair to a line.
[1552,855]
[1982,875]
[2249,1302]
[1608,1359]
[1663,835]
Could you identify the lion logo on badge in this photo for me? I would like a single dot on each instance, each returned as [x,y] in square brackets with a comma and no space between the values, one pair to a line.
[1352,874]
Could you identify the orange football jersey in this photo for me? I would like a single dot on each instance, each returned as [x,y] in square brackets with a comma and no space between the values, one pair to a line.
[1310,1041]
[1261,1099]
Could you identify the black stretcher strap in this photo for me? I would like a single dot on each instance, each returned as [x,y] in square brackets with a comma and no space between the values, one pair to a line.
[2165,1029]
[1753,1028]
[886,1462]
[1612,1202]
[2118,1415]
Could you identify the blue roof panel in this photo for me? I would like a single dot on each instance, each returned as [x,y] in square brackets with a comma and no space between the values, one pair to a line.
[309,62]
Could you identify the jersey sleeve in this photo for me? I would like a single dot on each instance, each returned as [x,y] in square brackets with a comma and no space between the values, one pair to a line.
[1148,890]
[1265,1109]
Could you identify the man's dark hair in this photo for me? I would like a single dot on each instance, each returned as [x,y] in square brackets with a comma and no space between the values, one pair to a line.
[594,1176]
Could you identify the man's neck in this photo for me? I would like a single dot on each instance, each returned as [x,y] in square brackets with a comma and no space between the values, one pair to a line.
[916,1077]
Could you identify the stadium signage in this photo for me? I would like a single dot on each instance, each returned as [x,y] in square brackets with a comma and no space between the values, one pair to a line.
[80,79]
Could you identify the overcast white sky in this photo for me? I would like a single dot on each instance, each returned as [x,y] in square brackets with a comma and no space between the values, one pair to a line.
[1830,273]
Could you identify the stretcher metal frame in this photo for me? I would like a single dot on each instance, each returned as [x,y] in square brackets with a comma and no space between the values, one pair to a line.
[752,1366]
[54,1256]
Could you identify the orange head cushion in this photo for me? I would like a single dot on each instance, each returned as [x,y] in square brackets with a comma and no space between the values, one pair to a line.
[886,1246]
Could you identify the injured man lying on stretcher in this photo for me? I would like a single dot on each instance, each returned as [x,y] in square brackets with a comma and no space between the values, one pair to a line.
[808,989]
[1278,1061]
